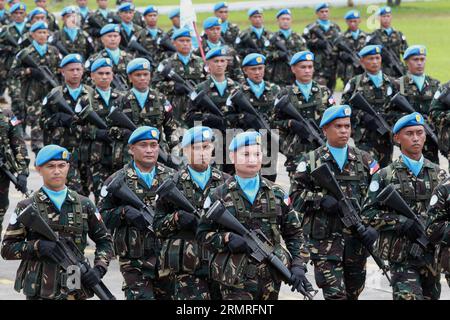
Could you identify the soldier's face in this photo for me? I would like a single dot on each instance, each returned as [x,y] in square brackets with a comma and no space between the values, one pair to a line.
[255,73]
[54,174]
[39,17]
[372,64]
[103,4]
[222,14]
[102,77]
[183,45]
[338,132]
[385,20]
[353,24]
[217,66]
[323,14]
[145,153]
[247,160]
[82,3]
[111,40]
[199,155]
[19,16]
[411,140]
[257,20]
[41,3]
[71,20]
[127,16]
[140,79]
[416,64]
[72,73]
[40,36]
[151,19]
[285,21]
[303,71]
[213,33]
[176,21]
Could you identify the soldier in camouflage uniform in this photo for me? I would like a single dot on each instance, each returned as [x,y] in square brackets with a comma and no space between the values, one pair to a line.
[138,18]
[177,228]
[28,86]
[35,15]
[230,30]
[128,29]
[279,70]
[378,89]
[14,156]
[339,257]
[71,215]
[138,247]
[326,54]
[51,19]
[97,20]
[4,14]
[414,273]
[174,16]
[419,89]
[84,12]
[258,204]
[310,99]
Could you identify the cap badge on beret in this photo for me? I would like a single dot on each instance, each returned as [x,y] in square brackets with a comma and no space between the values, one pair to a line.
[154,133]
[259,59]
[258,139]
[65,155]
[347,111]
[309,57]
[206,134]
[418,118]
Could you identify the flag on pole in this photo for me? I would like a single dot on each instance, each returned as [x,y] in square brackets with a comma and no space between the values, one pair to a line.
[188,20]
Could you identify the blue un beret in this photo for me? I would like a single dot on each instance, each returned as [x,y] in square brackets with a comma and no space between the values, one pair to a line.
[352,14]
[180,33]
[253,11]
[138,64]
[36,11]
[38,25]
[51,152]
[384,10]
[412,119]
[69,10]
[197,134]
[321,6]
[220,5]
[17,6]
[110,27]
[302,56]
[283,11]
[126,6]
[174,13]
[144,133]
[71,58]
[245,139]
[100,63]
[253,59]
[212,22]
[370,50]
[335,112]
[216,52]
[417,50]
[150,9]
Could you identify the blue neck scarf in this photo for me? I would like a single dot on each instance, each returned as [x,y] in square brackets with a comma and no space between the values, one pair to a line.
[140,96]
[19,26]
[57,197]
[104,12]
[355,34]
[324,24]
[114,55]
[146,176]
[75,93]
[71,32]
[2,12]
[339,154]
[212,45]
[221,86]
[84,11]
[224,26]
[258,31]
[413,165]
[305,89]
[201,178]
[184,59]
[388,31]
[104,94]
[41,49]
[286,33]
[175,29]
[419,81]
[250,186]
[377,79]
[128,27]
[257,88]
[152,32]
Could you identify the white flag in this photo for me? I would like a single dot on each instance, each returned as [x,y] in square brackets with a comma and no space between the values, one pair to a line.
[187,19]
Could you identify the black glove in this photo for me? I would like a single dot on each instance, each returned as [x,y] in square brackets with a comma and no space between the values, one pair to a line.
[299,129]
[103,135]
[410,229]
[135,217]
[249,121]
[180,89]
[126,133]
[368,237]
[237,244]
[50,250]
[282,54]
[329,204]
[93,276]
[346,57]
[61,119]
[187,220]
[298,280]
[321,44]
[213,121]
[36,74]
[22,183]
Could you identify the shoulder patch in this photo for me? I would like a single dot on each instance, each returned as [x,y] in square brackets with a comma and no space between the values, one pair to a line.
[434,199]
[374,186]
[301,167]
[207,203]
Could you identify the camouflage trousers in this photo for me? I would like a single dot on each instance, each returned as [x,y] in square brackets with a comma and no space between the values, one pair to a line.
[137,286]
[252,289]
[4,199]
[190,287]
[414,283]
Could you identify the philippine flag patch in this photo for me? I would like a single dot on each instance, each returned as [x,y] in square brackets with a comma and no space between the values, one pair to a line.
[374,167]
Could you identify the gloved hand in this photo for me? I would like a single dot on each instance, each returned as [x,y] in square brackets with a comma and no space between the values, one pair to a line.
[282,54]
[135,217]
[298,128]
[36,74]
[299,281]
[346,57]
[237,244]
[213,121]
[180,89]
[368,237]
[329,204]
[187,220]
[61,119]
[321,44]
[410,229]
[126,133]
[50,250]
[93,276]
[103,135]
[248,121]
[21,183]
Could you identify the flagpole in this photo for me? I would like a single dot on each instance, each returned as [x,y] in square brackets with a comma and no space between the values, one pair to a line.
[199,40]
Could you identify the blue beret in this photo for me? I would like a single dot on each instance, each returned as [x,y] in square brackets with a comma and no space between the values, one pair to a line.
[144,133]
[352,14]
[174,13]
[69,10]
[71,58]
[335,112]
[212,22]
[138,64]
[384,10]
[220,5]
[302,56]
[253,11]
[100,63]
[36,11]
[18,6]
[180,33]
[126,6]
[245,139]
[412,119]
[38,25]
[197,134]
[51,152]
[216,52]
[370,50]
[150,9]
[253,59]
[108,28]
[417,50]
[283,11]
[321,6]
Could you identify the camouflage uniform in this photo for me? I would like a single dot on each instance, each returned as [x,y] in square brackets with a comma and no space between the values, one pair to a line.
[381,148]
[339,257]
[242,277]
[324,64]
[231,34]
[83,43]
[191,275]
[137,250]
[40,278]
[51,21]
[95,23]
[151,44]
[5,18]
[125,38]
[412,277]
[347,70]
[278,69]
[261,45]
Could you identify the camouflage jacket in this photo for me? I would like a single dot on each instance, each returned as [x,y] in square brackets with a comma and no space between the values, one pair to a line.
[125,38]
[96,21]
[77,219]
[247,42]
[8,50]
[231,34]
[325,232]
[178,244]
[83,43]
[5,18]
[51,21]
[151,44]
[440,116]
[347,70]
[420,100]
[135,249]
